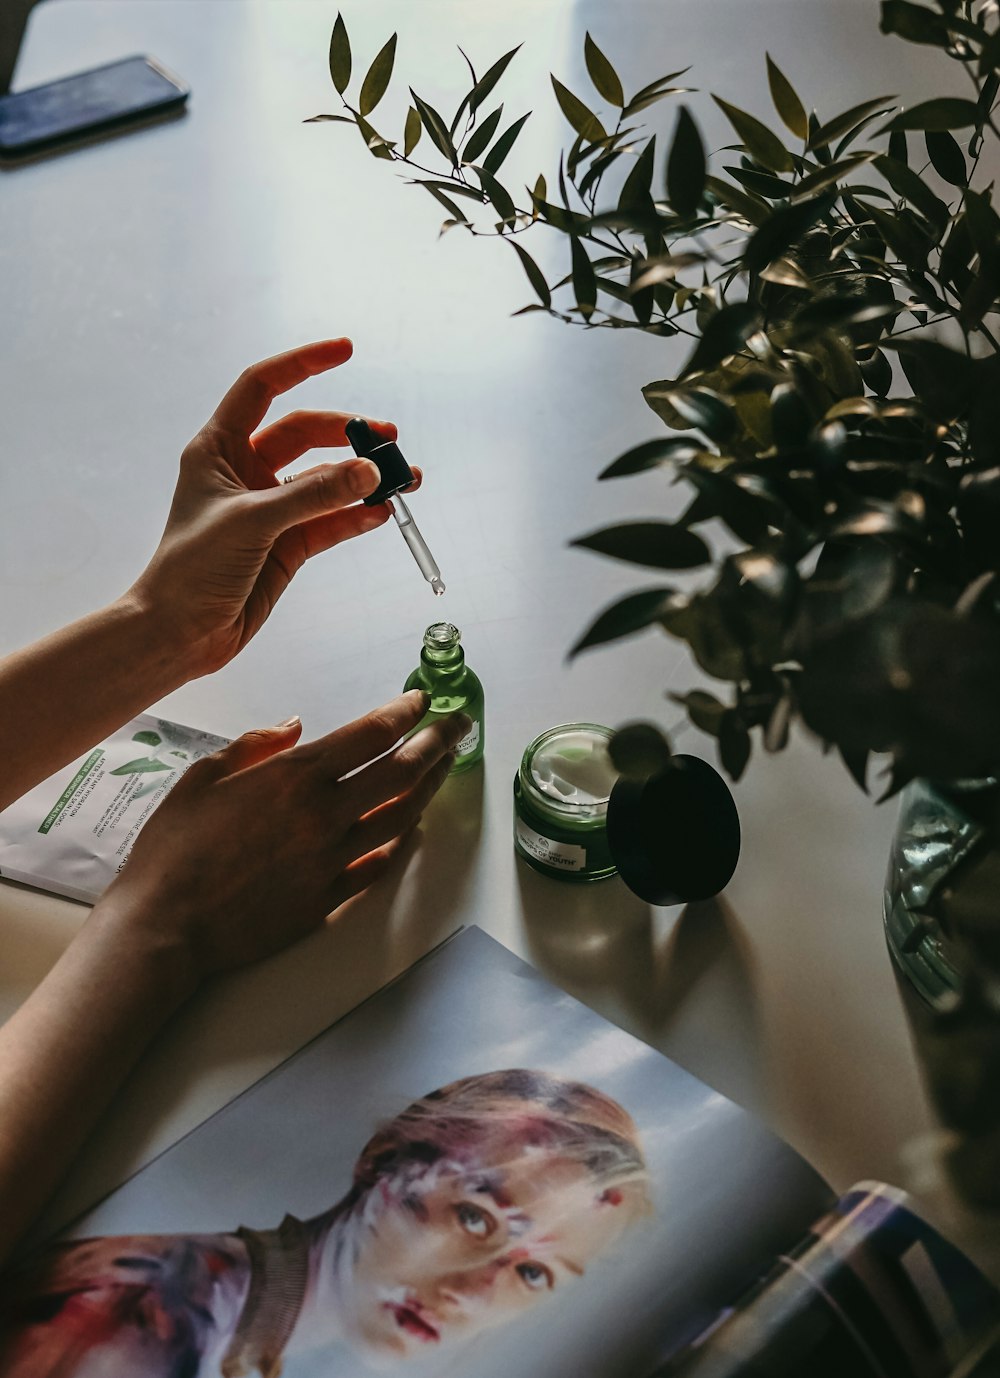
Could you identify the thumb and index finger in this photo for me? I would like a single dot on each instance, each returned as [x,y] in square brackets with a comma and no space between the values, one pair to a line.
[317,491]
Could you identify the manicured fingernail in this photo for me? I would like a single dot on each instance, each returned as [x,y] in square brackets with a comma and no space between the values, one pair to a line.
[425,698]
[363,477]
[288,724]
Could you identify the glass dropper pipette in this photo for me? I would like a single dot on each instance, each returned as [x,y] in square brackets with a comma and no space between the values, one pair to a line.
[396,475]
[410,532]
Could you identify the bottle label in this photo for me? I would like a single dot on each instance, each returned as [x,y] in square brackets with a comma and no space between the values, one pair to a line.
[561,856]
[470,741]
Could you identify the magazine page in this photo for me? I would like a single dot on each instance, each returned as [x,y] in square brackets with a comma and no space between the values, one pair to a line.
[871,1291]
[471,1174]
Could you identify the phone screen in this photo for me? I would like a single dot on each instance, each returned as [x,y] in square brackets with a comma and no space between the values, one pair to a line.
[100,98]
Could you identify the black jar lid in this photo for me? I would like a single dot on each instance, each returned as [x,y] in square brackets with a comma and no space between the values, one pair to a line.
[675,836]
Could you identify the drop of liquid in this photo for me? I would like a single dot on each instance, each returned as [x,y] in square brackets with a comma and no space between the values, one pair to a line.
[438,587]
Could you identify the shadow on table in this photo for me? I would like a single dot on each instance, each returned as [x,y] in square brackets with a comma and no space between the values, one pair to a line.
[668,980]
[13,163]
[449,843]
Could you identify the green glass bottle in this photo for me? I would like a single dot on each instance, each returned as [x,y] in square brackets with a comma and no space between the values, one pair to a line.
[453,688]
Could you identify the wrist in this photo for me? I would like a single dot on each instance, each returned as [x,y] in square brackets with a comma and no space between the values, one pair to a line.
[188,649]
[158,640]
[158,965]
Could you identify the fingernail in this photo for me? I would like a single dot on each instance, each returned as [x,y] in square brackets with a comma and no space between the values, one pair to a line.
[425,698]
[288,724]
[363,477]
[464,723]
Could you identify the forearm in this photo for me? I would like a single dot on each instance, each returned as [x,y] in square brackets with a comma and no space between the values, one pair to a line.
[68,691]
[70,1046]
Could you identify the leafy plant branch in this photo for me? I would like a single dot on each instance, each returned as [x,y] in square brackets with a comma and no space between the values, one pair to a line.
[838,411]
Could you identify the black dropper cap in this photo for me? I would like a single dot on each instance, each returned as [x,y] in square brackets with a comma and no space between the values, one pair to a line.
[396,473]
[675,836]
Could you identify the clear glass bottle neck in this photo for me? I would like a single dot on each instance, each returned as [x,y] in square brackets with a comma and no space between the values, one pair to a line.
[442,649]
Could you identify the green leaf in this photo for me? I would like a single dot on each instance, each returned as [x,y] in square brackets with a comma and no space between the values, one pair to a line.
[724,334]
[704,710]
[478,140]
[763,183]
[340,55]
[734,744]
[791,418]
[630,614]
[534,274]
[877,373]
[703,408]
[663,268]
[143,765]
[830,175]
[453,210]
[463,104]
[754,211]
[984,224]
[655,91]
[915,23]
[989,57]
[436,128]
[148,738]
[904,235]
[486,83]
[635,193]
[412,131]
[503,145]
[602,74]
[453,187]
[584,283]
[566,221]
[836,313]
[857,763]
[761,143]
[744,513]
[783,228]
[786,102]
[584,121]
[687,166]
[945,112]
[322,119]
[659,545]
[639,751]
[650,453]
[499,195]
[374,142]
[897,147]
[788,273]
[637,104]
[825,134]
[906,183]
[373,88]
[946,157]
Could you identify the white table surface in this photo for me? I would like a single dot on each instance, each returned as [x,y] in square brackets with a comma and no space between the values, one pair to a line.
[139,275]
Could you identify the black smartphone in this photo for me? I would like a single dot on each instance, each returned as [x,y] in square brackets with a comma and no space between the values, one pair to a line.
[43,117]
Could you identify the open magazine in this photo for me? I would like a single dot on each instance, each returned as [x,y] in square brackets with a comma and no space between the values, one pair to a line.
[472,1174]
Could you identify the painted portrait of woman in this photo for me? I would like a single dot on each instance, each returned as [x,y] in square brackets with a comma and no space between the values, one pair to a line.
[479,1202]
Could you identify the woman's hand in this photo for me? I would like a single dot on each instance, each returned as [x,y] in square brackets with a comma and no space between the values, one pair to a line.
[251,849]
[257,844]
[236,534]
